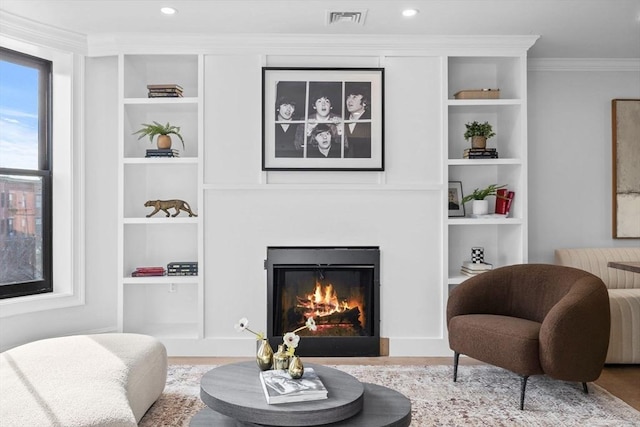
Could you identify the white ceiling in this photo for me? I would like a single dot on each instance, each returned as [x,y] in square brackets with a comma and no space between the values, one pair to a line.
[568,28]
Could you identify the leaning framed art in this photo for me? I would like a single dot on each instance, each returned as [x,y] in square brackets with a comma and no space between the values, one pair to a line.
[625,125]
[456,207]
[323,119]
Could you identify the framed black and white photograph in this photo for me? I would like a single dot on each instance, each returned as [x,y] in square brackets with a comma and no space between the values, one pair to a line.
[456,207]
[323,119]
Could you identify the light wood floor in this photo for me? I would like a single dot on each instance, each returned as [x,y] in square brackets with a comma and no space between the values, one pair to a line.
[623,381]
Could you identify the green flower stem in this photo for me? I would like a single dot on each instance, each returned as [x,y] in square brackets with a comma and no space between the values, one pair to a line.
[260,336]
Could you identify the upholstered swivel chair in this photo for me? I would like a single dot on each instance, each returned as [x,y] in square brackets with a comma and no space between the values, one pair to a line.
[532,319]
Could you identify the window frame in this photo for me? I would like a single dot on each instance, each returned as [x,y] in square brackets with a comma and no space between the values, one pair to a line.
[44,172]
[67,53]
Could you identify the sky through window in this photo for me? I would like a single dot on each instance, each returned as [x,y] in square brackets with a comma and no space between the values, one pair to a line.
[18,116]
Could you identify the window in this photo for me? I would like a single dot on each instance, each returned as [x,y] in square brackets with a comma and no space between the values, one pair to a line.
[25,175]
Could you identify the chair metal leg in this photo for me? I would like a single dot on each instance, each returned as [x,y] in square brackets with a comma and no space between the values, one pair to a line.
[523,388]
[456,357]
[584,387]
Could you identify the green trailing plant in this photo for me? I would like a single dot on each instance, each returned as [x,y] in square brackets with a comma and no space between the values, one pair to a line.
[478,129]
[482,194]
[152,130]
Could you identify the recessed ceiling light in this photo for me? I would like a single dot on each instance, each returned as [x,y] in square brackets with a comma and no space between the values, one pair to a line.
[409,12]
[168,10]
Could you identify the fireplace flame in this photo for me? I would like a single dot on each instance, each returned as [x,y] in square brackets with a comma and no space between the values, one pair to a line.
[324,301]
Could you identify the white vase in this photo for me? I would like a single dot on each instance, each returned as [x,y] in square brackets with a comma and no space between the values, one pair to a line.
[480,207]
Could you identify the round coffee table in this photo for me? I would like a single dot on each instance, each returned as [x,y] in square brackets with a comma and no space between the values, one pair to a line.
[234,397]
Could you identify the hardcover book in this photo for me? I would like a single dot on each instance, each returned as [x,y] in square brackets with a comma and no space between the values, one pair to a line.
[162,152]
[165,95]
[148,271]
[279,387]
[183,264]
[165,86]
[471,273]
[477,266]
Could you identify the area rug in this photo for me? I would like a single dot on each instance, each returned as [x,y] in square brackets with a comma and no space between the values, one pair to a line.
[482,396]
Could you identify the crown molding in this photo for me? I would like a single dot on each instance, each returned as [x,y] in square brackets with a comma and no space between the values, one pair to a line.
[22,29]
[297,44]
[26,30]
[584,64]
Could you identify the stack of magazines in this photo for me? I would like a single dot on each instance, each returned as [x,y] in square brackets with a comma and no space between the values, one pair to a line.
[279,387]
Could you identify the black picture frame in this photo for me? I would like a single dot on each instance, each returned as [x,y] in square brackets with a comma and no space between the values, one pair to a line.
[322,119]
[454,199]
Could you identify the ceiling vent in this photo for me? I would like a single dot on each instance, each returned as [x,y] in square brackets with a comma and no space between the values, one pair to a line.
[353,17]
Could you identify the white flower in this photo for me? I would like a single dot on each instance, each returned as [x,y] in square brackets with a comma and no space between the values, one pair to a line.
[242,324]
[311,324]
[291,340]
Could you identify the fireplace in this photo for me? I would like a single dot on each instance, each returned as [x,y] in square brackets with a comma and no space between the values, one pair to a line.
[338,286]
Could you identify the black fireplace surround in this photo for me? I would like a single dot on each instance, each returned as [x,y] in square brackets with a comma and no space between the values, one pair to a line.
[300,284]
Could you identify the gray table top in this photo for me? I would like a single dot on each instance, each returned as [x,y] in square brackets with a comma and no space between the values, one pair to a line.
[234,390]
[383,407]
[625,265]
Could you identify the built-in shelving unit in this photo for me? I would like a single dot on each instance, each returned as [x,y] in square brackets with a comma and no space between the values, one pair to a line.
[168,307]
[401,209]
[504,240]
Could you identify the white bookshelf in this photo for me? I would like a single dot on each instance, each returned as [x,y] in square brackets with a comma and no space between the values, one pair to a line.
[504,239]
[168,307]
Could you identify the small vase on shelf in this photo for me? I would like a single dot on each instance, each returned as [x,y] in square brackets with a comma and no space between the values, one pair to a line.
[296,368]
[264,356]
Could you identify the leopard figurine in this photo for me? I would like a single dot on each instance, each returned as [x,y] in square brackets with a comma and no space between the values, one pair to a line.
[165,205]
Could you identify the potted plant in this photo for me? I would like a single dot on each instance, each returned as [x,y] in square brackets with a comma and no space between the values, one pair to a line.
[480,205]
[479,133]
[162,131]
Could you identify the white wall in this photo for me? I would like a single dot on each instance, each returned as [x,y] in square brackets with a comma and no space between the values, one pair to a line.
[399,210]
[570,181]
[98,313]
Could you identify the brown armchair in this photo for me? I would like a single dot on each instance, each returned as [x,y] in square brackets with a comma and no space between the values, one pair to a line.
[532,319]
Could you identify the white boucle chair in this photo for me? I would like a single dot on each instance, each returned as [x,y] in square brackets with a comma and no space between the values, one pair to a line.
[624,295]
[106,380]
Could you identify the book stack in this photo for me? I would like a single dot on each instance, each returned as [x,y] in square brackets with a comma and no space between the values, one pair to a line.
[473,269]
[480,153]
[182,269]
[279,387]
[162,152]
[148,271]
[165,91]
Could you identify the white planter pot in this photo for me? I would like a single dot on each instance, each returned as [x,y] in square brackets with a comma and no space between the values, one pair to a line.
[480,207]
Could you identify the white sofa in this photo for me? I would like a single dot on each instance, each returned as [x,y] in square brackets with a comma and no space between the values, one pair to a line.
[624,295]
[106,380]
